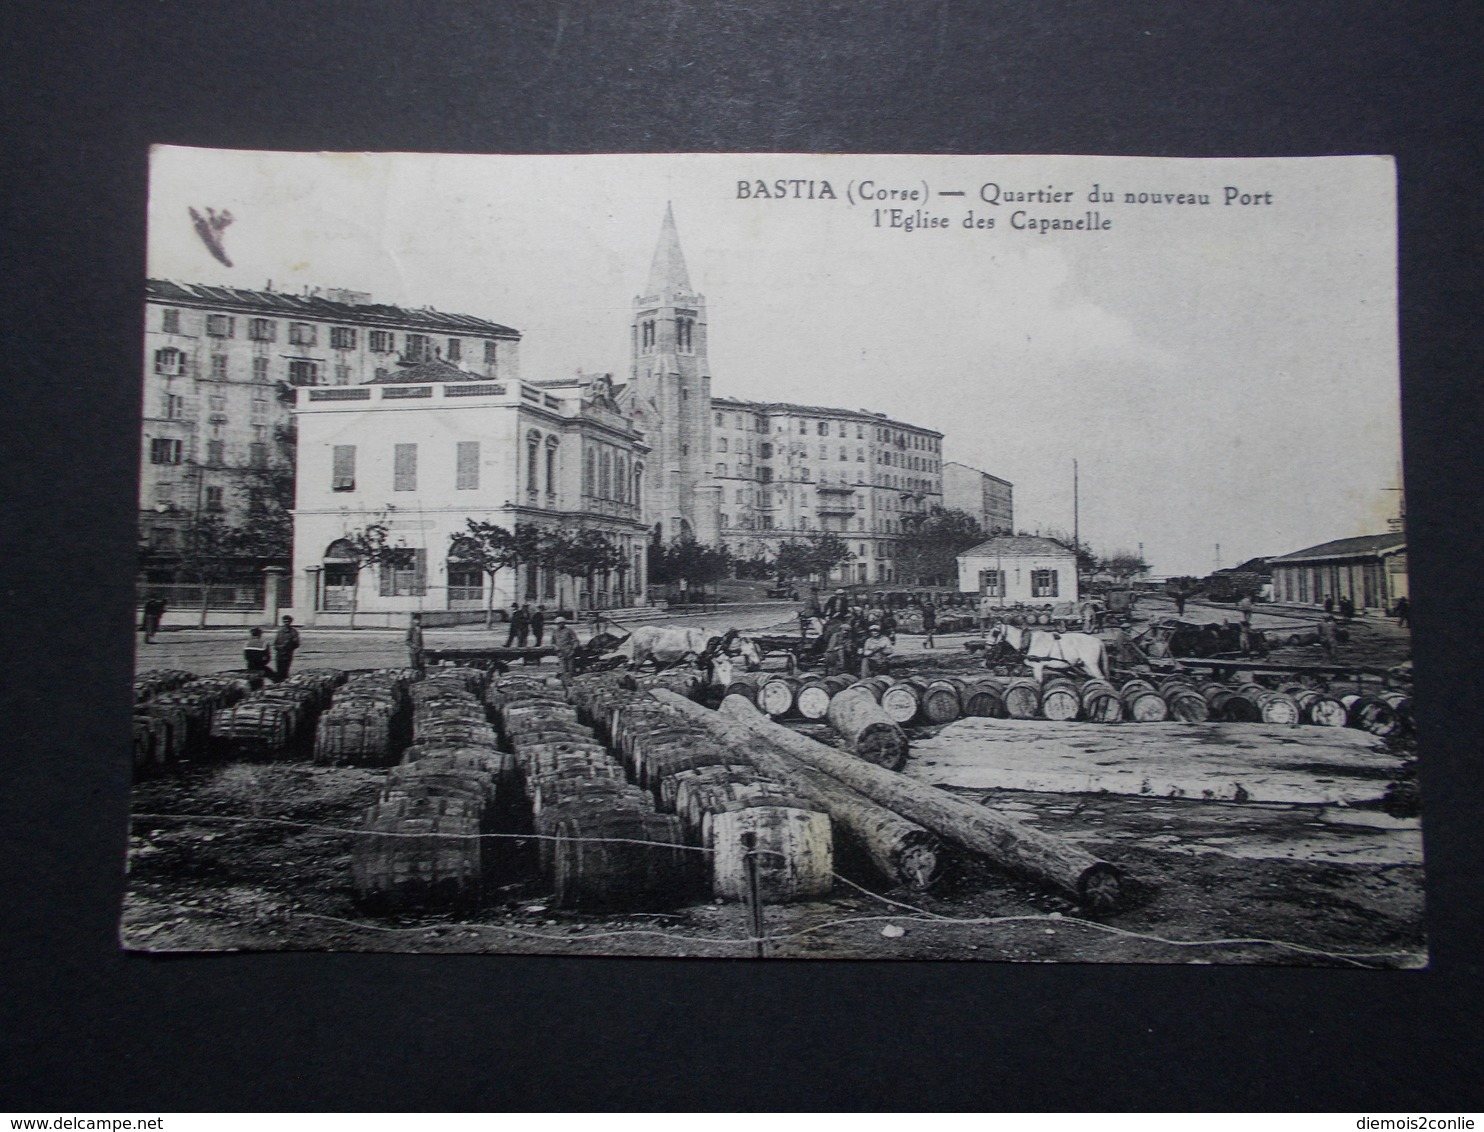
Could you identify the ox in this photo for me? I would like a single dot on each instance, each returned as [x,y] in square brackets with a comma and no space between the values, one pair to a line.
[1041,650]
[666,646]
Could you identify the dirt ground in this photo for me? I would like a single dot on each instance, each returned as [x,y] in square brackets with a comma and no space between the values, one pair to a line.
[256,856]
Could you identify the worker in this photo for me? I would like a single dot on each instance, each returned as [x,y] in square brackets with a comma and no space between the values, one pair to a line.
[564,640]
[255,653]
[837,606]
[929,623]
[415,642]
[875,653]
[1329,637]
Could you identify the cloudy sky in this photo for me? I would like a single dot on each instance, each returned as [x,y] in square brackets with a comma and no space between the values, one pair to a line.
[1222,373]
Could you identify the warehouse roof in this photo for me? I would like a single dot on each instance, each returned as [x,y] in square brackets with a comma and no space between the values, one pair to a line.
[320,307]
[1016,546]
[1365,546]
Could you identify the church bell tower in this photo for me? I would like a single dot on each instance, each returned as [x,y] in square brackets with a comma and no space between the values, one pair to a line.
[669,397]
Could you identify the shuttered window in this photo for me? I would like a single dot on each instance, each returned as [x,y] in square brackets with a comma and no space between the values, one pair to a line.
[343,474]
[992,583]
[406,577]
[404,468]
[1043,583]
[466,473]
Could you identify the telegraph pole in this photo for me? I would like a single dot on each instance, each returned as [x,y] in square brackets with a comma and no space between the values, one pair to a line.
[1076,513]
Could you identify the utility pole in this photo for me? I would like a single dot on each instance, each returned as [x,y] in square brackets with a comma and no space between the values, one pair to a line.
[1076,513]
[1218,556]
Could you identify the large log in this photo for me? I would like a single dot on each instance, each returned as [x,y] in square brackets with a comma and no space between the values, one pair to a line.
[871,733]
[1011,845]
[902,851]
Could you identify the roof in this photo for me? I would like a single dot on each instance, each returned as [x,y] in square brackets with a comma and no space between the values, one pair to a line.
[977,471]
[425,372]
[1364,546]
[667,274]
[815,411]
[287,305]
[1017,546]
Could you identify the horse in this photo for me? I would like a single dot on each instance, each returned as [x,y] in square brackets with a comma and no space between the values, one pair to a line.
[1041,650]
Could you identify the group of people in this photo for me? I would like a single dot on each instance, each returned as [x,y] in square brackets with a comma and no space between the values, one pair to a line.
[525,624]
[563,639]
[274,659]
[853,636]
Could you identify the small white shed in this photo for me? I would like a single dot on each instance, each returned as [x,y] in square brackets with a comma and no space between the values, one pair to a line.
[1019,569]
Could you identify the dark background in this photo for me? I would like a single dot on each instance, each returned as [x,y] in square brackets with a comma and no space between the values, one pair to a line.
[89,86]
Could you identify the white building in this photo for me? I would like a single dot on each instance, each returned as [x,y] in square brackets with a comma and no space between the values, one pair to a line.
[988,498]
[1019,570]
[426,448]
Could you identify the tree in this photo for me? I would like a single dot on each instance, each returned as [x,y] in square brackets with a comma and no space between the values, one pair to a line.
[369,547]
[493,548]
[267,530]
[927,553]
[826,551]
[1123,565]
[688,561]
[208,547]
[795,560]
[1087,561]
[583,553]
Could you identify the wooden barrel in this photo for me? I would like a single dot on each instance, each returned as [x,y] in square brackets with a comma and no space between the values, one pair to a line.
[698,800]
[1022,698]
[1185,702]
[418,853]
[776,697]
[1061,700]
[878,686]
[621,859]
[1320,710]
[812,699]
[1227,704]
[586,784]
[655,759]
[793,849]
[900,702]
[983,698]
[937,699]
[1100,702]
[1275,707]
[1142,704]
[1372,714]
[744,685]
[671,786]
[839,683]
[1399,702]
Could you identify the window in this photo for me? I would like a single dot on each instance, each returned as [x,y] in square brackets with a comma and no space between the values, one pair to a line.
[590,473]
[343,468]
[213,499]
[992,583]
[170,320]
[342,375]
[860,432]
[824,428]
[342,338]
[260,369]
[257,454]
[683,329]
[262,329]
[767,522]
[170,362]
[418,348]
[219,325]
[301,334]
[217,402]
[844,455]
[259,406]
[721,443]
[466,465]
[174,407]
[765,475]
[719,420]
[725,521]
[765,451]
[404,467]
[491,352]
[824,451]
[605,475]
[216,453]
[164,451]
[551,456]
[164,492]
[721,471]
[303,372]
[860,455]
[218,367]
[647,334]
[383,341]
[455,349]
[1043,583]
[407,574]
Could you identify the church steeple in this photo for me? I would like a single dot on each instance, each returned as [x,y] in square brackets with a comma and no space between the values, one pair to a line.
[667,274]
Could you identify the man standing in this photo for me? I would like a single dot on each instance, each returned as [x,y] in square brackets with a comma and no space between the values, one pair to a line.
[929,623]
[875,654]
[538,624]
[1403,612]
[154,610]
[1347,607]
[809,614]
[285,643]
[1329,637]
[415,642]
[520,625]
[565,642]
[1245,605]
[255,653]
[837,606]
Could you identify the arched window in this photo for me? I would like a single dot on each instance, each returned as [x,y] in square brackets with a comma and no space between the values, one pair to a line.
[551,464]
[621,479]
[590,473]
[605,475]
[638,495]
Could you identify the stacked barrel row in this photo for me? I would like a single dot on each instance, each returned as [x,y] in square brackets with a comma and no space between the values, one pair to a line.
[722,802]
[172,718]
[600,840]
[366,722]
[269,720]
[424,843]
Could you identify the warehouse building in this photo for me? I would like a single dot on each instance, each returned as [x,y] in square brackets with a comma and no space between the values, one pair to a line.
[1371,570]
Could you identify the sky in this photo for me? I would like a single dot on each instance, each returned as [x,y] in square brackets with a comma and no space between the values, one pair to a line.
[1222,373]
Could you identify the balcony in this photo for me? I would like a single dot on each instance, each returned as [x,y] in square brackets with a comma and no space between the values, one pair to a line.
[610,508]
